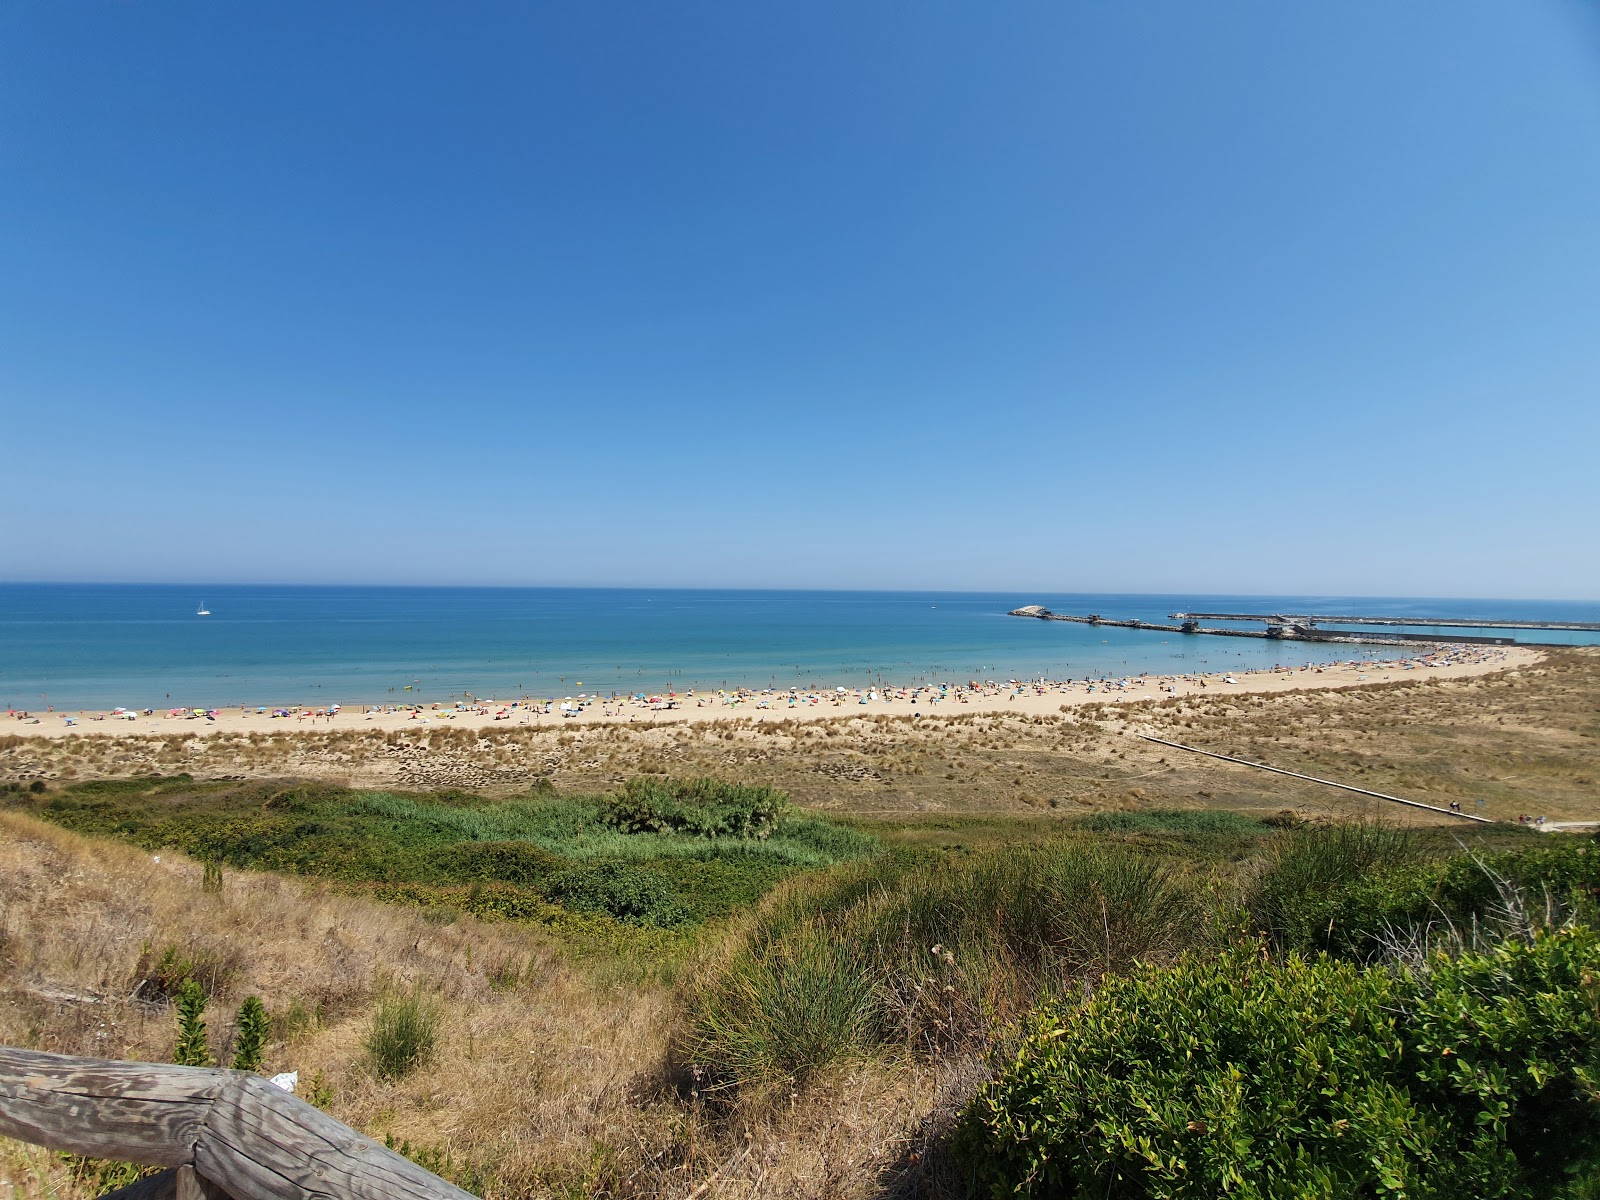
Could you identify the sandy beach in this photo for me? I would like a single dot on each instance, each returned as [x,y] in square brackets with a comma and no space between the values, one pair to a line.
[1021,697]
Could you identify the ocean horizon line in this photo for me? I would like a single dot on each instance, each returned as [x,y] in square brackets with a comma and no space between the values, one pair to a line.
[760,589]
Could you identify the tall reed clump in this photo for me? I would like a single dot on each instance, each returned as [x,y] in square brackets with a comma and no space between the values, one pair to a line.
[1358,891]
[404,1034]
[923,957]
[1333,887]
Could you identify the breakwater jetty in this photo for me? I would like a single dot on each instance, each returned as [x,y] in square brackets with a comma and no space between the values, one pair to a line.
[1311,620]
[1282,629]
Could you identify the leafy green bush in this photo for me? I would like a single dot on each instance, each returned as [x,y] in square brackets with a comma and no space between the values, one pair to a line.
[1563,872]
[699,807]
[404,1034]
[511,862]
[1510,1041]
[1237,1074]
[619,890]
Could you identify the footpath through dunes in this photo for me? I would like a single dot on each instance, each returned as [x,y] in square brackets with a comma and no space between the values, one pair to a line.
[1522,739]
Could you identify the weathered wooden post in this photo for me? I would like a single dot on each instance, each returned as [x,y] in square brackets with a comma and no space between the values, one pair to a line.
[223,1133]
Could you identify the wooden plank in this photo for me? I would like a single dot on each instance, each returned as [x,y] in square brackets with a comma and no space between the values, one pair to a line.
[261,1143]
[147,1113]
[228,1133]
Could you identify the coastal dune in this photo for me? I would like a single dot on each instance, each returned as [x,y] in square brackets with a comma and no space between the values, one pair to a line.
[1436,735]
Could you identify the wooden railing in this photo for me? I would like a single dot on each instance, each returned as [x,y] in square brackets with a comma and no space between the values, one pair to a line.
[221,1133]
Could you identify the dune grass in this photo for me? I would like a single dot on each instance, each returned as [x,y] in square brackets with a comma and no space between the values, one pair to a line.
[404,1033]
[906,954]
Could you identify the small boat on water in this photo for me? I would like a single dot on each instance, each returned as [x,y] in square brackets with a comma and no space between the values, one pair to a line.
[203,611]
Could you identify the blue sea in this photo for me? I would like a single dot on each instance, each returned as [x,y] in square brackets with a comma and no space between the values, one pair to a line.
[97,646]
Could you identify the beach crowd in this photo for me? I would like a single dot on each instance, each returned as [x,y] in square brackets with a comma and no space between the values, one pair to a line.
[912,699]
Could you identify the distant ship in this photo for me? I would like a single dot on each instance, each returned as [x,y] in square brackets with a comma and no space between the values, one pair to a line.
[202,611]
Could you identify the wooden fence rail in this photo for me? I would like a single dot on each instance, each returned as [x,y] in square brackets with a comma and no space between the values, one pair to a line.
[222,1133]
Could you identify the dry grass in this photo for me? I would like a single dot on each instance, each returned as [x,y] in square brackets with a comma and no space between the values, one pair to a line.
[534,1078]
[554,1087]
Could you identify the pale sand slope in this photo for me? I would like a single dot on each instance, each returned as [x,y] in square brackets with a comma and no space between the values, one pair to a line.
[1029,698]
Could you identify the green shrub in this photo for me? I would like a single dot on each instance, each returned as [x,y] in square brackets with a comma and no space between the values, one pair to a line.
[698,807]
[1563,873]
[1509,1040]
[1358,891]
[192,1050]
[1237,1074]
[404,1034]
[618,890]
[250,1035]
[510,862]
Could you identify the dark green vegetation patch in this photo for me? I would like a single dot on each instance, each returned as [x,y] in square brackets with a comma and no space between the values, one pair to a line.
[661,853]
[1240,1074]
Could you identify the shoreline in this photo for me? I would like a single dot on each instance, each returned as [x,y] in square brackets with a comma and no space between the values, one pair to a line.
[1031,697]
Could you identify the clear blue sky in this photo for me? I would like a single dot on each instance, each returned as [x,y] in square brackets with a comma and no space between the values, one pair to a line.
[1245,297]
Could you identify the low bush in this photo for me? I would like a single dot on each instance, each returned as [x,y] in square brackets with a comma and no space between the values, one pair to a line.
[698,807]
[618,890]
[404,1034]
[1243,1075]
[804,1004]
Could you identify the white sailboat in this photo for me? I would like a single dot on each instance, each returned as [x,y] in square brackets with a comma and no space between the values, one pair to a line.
[203,611]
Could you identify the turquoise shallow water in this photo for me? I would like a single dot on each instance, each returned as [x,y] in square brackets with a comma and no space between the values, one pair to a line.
[96,646]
